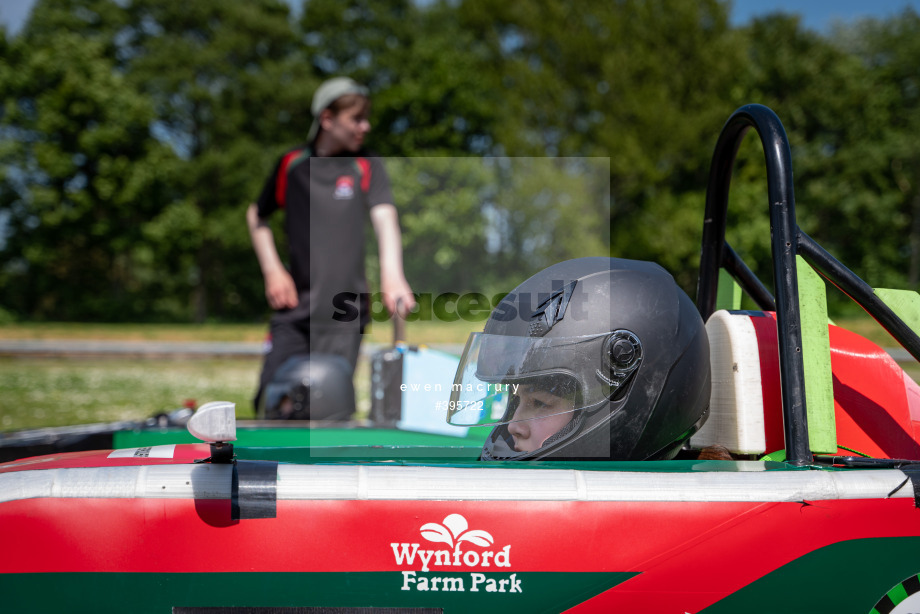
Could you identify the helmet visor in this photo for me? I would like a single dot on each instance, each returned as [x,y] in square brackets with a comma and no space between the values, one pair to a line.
[503,379]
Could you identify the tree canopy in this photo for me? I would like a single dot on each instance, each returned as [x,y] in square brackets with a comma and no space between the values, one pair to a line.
[136,132]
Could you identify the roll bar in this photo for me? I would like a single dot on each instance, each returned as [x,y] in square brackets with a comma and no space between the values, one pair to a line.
[787,241]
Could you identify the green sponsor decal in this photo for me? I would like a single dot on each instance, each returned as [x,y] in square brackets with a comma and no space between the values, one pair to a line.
[849,576]
[159,593]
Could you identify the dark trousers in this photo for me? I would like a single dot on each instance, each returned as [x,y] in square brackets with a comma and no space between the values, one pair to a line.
[289,338]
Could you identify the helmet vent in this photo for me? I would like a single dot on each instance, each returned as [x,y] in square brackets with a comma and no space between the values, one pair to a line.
[551,310]
[538,328]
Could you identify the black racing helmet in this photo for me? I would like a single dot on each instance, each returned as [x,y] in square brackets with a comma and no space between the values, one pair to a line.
[310,387]
[593,358]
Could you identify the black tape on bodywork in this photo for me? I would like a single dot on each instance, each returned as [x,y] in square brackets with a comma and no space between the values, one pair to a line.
[913,476]
[254,491]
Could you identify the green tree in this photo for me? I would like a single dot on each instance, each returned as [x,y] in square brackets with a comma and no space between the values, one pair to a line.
[80,177]
[230,92]
[140,137]
[889,159]
[440,203]
[135,132]
[433,86]
[647,84]
[844,113]
[433,100]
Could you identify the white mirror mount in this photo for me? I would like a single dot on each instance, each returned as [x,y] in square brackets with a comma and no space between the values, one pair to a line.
[215,423]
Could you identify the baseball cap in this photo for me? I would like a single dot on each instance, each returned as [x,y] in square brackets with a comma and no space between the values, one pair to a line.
[329,92]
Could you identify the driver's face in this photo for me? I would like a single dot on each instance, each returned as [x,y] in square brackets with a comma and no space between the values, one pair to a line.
[538,416]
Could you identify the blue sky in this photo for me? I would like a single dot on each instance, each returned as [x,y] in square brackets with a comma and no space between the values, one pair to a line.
[816,14]
[14,12]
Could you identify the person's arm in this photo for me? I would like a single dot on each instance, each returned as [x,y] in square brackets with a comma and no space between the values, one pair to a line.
[393,282]
[280,289]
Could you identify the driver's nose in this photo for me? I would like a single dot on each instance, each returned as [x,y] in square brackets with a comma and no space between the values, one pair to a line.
[519,429]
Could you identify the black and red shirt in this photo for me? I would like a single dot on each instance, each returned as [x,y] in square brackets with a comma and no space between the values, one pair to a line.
[326,200]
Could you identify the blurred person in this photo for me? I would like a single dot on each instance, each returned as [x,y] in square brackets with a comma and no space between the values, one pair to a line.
[327,187]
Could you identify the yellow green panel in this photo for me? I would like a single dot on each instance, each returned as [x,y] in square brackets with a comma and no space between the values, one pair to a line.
[728,294]
[904,303]
[816,354]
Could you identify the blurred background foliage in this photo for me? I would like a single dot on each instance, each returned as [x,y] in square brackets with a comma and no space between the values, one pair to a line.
[134,133]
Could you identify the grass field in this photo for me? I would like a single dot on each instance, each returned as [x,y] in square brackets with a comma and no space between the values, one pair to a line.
[57,391]
[53,391]
[416,332]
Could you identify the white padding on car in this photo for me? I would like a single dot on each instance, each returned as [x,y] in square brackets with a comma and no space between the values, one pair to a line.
[736,408]
[748,481]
